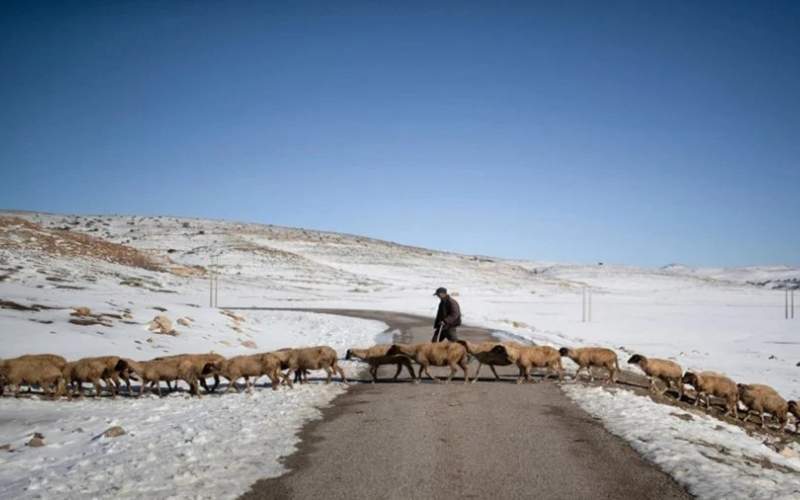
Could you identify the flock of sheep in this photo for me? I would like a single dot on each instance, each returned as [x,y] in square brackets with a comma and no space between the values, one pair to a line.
[57,377]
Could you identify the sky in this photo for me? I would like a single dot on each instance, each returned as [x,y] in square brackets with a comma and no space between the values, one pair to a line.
[642,133]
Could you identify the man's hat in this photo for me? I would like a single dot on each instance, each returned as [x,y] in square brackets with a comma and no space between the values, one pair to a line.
[439,290]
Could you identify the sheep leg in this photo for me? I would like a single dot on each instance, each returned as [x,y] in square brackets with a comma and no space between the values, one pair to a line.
[464,369]
[452,372]
[477,372]
[428,373]
[396,374]
[96,384]
[373,370]
[231,386]
[158,386]
[286,379]
[496,376]
[612,375]
[340,372]
[521,375]
[274,380]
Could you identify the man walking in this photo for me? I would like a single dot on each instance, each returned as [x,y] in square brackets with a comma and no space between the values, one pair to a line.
[448,317]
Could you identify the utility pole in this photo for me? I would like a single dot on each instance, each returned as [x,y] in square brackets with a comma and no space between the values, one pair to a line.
[786,303]
[213,282]
[793,303]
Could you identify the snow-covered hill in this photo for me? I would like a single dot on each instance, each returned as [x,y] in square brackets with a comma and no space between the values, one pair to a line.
[127,269]
[704,318]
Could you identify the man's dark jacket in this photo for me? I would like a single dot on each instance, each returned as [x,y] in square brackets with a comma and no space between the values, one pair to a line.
[449,312]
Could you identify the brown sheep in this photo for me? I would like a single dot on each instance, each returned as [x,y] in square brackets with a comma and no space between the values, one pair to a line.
[31,371]
[588,357]
[317,358]
[487,353]
[246,366]
[153,371]
[271,367]
[93,370]
[665,370]
[375,356]
[54,359]
[763,399]
[445,353]
[199,361]
[714,384]
[537,356]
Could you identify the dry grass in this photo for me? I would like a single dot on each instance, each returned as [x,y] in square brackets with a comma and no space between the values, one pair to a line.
[18,234]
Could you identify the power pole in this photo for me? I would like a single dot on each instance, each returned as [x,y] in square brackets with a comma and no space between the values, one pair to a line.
[786,303]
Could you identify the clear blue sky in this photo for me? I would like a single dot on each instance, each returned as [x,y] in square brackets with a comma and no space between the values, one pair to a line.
[570,131]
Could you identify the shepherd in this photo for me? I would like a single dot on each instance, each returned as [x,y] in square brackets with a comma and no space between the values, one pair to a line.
[448,317]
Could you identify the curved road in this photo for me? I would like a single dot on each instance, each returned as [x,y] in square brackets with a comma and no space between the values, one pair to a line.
[485,440]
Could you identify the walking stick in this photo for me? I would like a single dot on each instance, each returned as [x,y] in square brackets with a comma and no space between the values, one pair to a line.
[439,332]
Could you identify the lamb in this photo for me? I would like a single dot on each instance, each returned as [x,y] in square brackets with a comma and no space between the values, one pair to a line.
[487,353]
[199,361]
[588,357]
[31,371]
[763,399]
[714,384]
[667,371]
[538,356]
[445,353]
[376,356]
[153,371]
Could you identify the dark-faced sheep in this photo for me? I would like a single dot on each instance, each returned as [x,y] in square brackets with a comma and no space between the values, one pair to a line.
[665,370]
[376,357]
[487,353]
[714,384]
[763,399]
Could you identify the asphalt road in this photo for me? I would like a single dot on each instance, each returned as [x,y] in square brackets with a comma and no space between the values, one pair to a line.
[485,440]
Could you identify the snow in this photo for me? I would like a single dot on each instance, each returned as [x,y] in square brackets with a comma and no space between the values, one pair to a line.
[711,458]
[177,446]
[709,319]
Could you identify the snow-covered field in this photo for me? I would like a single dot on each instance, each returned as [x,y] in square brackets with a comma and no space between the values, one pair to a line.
[177,446]
[729,320]
[711,458]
